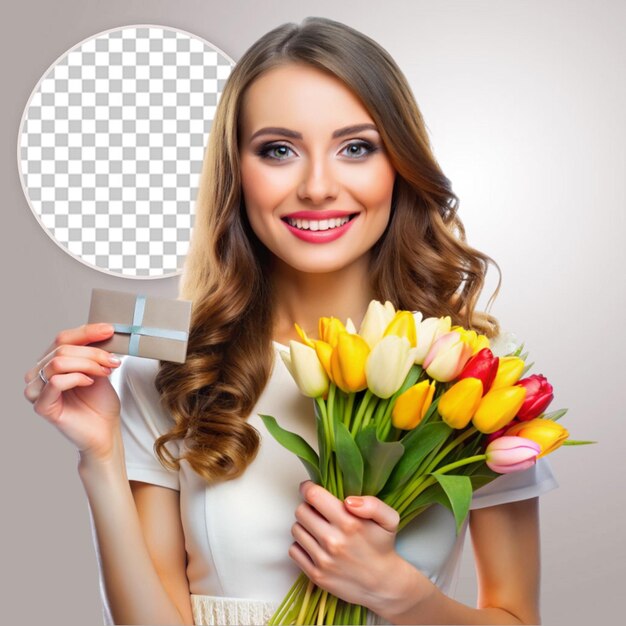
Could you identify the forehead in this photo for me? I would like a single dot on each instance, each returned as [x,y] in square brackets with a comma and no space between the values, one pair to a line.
[301,97]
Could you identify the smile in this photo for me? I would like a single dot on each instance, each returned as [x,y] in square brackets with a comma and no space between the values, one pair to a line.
[318,224]
[319,231]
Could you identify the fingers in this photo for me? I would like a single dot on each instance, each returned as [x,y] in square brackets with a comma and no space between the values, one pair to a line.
[370,507]
[97,362]
[80,336]
[45,403]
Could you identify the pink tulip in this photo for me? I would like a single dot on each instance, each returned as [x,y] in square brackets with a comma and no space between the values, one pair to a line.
[511,454]
[447,357]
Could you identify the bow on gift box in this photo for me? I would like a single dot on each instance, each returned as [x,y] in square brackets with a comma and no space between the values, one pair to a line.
[135,330]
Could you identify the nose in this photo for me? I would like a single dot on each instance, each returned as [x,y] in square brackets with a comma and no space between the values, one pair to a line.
[318,183]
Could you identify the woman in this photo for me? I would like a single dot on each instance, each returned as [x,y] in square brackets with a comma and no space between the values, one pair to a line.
[319,192]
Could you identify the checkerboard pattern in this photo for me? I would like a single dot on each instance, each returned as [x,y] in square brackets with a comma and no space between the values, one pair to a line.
[111,146]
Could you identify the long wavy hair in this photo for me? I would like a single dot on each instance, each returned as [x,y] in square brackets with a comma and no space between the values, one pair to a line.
[421,262]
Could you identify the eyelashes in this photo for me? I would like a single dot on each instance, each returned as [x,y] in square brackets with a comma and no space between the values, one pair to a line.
[269,150]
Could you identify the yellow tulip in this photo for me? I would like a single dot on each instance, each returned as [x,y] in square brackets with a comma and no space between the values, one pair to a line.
[347,362]
[411,406]
[402,325]
[329,329]
[304,337]
[459,403]
[498,407]
[376,319]
[547,433]
[306,369]
[471,337]
[388,365]
[510,370]
[324,351]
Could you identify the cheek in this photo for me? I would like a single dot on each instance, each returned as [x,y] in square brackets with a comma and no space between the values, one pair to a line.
[375,187]
[263,188]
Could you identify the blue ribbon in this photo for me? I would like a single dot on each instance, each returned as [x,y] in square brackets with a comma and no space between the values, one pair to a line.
[136,329]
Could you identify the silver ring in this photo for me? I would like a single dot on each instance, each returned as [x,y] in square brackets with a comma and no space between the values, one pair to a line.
[43,376]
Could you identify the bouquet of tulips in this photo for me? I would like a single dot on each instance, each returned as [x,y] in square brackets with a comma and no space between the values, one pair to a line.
[416,412]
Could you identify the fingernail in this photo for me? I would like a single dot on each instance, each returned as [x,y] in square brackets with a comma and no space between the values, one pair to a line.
[114,359]
[354,501]
[105,328]
[106,370]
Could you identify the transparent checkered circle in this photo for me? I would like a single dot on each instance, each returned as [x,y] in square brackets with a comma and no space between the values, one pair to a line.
[111,144]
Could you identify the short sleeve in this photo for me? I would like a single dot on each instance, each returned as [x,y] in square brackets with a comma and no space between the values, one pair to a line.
[143,419]
[534,481]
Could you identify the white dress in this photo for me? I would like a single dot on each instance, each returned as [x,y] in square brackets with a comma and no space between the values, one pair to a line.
[238,533]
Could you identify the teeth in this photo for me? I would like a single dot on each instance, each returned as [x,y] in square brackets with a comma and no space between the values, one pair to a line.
[318,224]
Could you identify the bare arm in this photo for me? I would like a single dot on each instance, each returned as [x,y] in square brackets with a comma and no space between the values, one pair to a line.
[139,544]
[137,531]
[506,548]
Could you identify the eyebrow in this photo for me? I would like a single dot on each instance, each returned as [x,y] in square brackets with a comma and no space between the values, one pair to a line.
[286,132]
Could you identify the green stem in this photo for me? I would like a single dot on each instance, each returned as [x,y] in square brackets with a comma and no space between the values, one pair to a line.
[286,603]
[305,603]
[459,463]
[371,408]
[360,412]
[426,482]
[455,442]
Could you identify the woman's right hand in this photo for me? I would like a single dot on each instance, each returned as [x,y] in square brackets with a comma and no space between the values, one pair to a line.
[78,399]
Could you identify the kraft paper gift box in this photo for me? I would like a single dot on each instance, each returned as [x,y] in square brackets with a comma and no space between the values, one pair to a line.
[145,326]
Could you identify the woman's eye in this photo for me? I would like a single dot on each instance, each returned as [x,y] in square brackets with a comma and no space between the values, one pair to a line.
[276,151]
[359,148]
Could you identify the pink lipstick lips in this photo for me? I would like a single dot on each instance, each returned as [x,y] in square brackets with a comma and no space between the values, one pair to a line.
[319,236]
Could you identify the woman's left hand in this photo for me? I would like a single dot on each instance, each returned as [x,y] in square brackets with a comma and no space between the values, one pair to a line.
[348,548]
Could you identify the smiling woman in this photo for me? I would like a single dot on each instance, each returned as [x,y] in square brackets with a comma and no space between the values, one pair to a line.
[310,153]
[319,193]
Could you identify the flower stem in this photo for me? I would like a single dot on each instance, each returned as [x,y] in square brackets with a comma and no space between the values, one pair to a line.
[360,412]
[305,603]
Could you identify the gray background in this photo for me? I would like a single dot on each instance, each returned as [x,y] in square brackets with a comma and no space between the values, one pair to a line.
[524,102]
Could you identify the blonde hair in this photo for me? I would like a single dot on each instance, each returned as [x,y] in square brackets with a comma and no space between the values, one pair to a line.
[421,263]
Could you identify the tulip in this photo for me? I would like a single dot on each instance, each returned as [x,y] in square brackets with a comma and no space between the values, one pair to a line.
[492,436]
[484,366]
[402,325]
[428,331]
[510,369]
[324,352]
[306,369]
[377,318]
[304,337]
[447,357]
[459,403]
[329,329]
[497,408]
[350,327]
[511,454]
[388,365]
[476,341]
[412,405]
[538,396]
[347,362]
[547,433]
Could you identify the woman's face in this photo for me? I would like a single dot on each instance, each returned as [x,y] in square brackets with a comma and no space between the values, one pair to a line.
[312,159]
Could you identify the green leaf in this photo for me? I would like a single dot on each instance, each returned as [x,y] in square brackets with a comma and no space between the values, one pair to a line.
[459,491]
[528,366]
[418,444]
[574,442]
[296,444]
[555,415]
[350,461]
[380,457]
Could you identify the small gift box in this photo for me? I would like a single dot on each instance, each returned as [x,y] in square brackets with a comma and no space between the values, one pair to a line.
[154,328]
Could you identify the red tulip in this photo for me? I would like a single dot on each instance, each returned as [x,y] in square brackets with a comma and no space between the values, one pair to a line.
[538,396]
[500,432]
[484,366]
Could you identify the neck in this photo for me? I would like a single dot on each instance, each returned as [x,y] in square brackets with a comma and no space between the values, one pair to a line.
[303,298]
